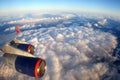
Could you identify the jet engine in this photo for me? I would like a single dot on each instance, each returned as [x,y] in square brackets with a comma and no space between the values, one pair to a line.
[25,47]
[31,66]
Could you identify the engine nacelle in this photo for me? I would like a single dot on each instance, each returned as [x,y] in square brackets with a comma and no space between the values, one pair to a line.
[25,47]
[31,66]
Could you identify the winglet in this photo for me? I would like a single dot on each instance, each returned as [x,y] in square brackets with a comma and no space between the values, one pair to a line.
[17,28]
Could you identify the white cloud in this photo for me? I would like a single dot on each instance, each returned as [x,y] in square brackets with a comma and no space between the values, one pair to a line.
[71,53]
[68,16]
[96,24]
[10,29]
[74,57]
[102,22]
[35,20]
[89,24]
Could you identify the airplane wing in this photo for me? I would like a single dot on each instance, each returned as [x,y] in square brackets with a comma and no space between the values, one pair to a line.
[19,55]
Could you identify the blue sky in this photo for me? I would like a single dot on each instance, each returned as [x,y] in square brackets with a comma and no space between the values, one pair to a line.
[112,6]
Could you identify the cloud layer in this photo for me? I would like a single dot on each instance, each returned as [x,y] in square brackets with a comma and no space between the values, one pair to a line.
[72,51]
